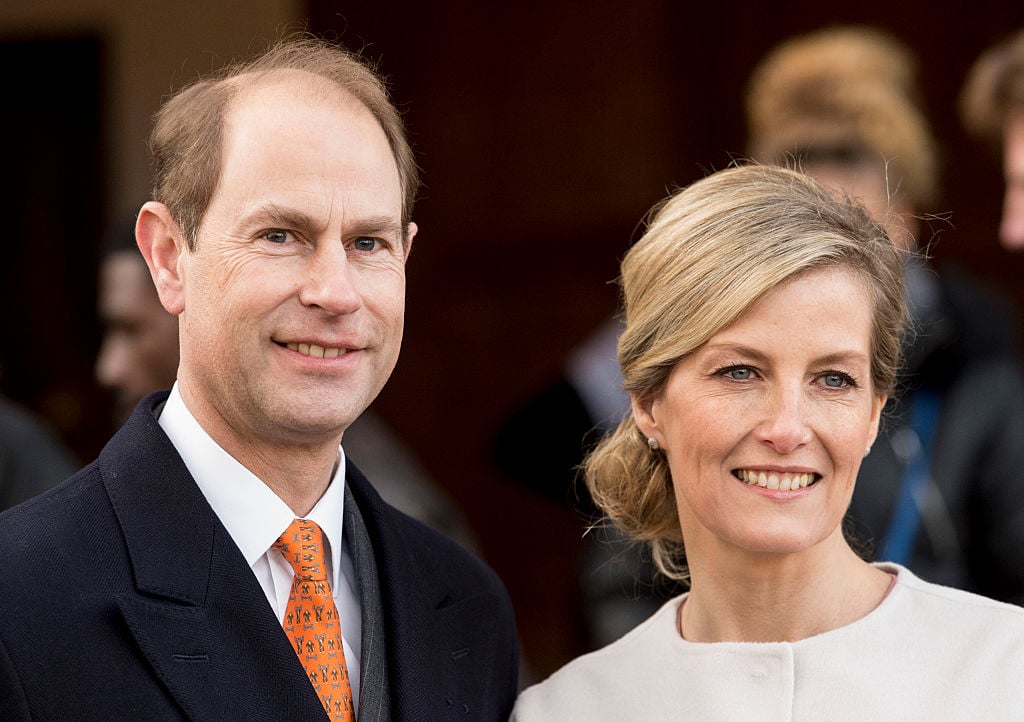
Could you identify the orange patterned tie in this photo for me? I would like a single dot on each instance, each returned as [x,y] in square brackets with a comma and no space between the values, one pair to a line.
[311,618]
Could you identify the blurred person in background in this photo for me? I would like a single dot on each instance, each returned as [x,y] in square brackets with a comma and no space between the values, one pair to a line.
[992,108]
[139,352]
[937,492]
[32,456]
[617,584]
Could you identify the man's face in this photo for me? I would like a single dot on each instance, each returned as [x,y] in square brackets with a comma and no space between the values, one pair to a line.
[139,353]
[1011,229]
[293,298]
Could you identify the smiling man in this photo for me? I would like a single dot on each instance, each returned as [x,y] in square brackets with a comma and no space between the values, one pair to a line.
[223,559]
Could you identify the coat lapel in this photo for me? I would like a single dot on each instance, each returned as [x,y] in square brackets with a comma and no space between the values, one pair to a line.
[439,641]
[198,615]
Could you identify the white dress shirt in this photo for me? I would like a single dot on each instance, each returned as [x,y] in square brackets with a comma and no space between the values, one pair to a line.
[255,517]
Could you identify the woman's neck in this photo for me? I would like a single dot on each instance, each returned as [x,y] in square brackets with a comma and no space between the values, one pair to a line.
[780,598]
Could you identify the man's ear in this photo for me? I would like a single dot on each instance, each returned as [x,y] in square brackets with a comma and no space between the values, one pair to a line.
[163,247]
[410,233]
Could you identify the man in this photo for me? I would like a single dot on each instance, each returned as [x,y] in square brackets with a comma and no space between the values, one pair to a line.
[992,106]
[160,582]
[139,353]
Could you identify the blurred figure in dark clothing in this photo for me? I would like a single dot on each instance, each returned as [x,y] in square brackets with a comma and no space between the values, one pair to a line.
[32,458]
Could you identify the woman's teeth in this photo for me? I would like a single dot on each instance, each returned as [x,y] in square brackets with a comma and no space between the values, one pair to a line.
[781,480]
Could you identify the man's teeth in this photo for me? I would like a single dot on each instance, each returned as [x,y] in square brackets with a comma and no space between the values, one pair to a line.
[783,481]
[311,349]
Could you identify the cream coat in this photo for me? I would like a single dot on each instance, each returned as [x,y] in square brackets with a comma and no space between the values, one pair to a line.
[926,653]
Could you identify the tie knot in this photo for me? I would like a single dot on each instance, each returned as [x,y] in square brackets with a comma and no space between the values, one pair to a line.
[302,545]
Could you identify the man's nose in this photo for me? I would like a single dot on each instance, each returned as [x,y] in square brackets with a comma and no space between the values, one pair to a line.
[332,283]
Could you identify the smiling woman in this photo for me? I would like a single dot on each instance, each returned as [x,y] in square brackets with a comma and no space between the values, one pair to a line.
[763,326]
[710,256]
[764,426]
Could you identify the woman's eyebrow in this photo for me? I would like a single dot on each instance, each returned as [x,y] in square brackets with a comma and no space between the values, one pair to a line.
[842,356]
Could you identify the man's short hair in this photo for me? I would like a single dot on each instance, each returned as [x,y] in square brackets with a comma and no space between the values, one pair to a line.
[187,139]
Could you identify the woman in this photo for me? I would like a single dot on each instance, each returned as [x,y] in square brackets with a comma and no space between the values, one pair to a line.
[763,321]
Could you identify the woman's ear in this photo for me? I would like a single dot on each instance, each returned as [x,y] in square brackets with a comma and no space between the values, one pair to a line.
[163,247]
[645,417]
[876,418]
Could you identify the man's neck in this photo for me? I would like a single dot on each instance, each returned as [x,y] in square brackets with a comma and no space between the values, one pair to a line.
[298,475]
[297,469]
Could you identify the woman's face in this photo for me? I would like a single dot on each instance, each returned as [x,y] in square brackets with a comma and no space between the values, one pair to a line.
[765,425]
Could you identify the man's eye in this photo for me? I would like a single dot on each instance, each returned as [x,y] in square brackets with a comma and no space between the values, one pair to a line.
[276,236]
[365,243]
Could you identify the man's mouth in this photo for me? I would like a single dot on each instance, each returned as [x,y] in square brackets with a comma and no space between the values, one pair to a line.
[311,349]
[781,480]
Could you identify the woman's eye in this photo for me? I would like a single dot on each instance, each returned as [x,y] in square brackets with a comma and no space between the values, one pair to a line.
[835,380]
[739,373]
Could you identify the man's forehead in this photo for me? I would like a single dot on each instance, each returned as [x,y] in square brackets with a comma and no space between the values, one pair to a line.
[284,106]
[285,126]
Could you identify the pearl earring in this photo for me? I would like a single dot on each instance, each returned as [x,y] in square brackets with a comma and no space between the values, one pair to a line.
[653,443]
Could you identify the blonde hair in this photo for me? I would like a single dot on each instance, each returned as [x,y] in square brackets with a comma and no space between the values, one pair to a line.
[994,89]
[845,90]
[709,253]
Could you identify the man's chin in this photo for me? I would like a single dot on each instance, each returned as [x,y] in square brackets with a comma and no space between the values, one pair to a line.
[309,426]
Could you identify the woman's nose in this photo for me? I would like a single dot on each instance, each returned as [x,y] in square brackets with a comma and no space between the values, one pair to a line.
[785,425]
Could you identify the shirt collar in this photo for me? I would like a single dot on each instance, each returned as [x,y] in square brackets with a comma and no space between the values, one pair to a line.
[251,512]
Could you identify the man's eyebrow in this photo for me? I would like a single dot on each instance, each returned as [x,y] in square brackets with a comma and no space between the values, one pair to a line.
[273,214]
[378,225]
